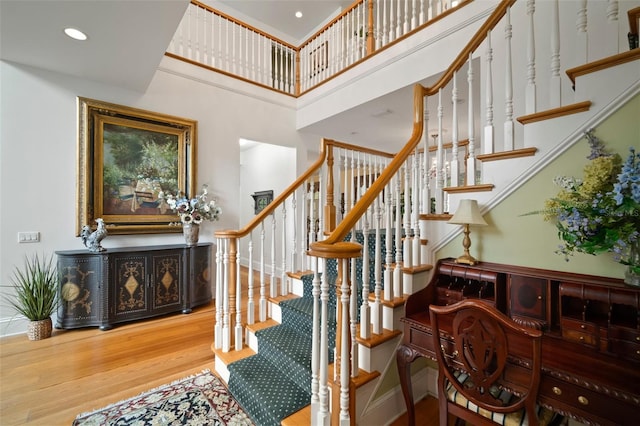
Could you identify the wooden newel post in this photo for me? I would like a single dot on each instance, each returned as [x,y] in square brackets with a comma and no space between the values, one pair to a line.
[329,208]
[371,40]
[343,395]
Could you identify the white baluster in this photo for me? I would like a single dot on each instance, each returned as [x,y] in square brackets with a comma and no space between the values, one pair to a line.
[611,40]
[364,309]
[344,349]
[415,195]
[274,287]
[440,160]
[488,127]
[324,417]
[471,159]
[219,293]
[238,284]
[397,269]
[582,38]
[508,87]
[426,199]
[250,304]
[414,15]
[376,314]
[554,83]
[405,27]
[353,310]
[294,243]
[263,284]
[455,161]
[315,343]
[406,244]
[531,61]
[388,271]
[312,210]
[399,19]
[226,335]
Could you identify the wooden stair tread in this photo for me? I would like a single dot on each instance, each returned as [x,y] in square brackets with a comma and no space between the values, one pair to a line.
[555,112]
[484,187]
[376,339]
[417,269]
[262,325]
[396,302]
[233,355]
[300,417]
[279,299]
[299,274]
[434,216]
[504,155]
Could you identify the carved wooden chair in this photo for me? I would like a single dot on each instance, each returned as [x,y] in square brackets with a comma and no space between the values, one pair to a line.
[488,366]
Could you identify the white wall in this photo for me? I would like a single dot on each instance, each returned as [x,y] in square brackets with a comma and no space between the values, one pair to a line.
[262,168]
[38,150]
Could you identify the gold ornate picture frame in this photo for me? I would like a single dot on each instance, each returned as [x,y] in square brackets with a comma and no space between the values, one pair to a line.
[128,159]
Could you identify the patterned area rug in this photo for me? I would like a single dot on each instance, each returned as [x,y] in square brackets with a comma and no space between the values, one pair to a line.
[201,399]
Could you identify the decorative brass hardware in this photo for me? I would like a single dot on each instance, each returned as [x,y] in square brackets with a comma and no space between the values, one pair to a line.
[583,400]
[557,390]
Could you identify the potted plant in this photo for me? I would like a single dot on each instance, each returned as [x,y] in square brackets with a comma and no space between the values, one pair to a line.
[35,294]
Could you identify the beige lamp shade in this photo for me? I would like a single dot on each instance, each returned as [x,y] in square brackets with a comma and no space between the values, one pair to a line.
[468,213]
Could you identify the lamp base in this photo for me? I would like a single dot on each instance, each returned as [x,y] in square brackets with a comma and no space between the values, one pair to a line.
[467,259]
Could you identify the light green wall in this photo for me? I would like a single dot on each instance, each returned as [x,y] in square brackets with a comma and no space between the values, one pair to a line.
[530,241]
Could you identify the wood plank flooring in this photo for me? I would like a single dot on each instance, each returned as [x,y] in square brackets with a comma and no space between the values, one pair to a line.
[49,382]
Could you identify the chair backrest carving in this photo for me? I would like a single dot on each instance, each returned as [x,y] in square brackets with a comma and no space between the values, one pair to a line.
[479,370]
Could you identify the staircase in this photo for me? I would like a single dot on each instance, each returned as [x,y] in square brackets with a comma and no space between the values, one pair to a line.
[352,191]
[276,381]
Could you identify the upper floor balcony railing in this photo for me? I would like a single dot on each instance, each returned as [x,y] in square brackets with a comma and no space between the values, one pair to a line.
[214,40]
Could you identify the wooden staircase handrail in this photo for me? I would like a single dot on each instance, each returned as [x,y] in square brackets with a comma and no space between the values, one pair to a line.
[343,228]
[325,149]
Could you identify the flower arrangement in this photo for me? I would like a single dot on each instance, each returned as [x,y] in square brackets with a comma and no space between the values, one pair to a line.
[194,210]
[600,212]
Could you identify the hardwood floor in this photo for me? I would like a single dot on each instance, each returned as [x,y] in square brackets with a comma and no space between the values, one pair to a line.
[49,382]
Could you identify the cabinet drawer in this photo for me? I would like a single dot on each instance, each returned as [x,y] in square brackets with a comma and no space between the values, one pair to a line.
[624,333]
[580,332]
[601,408]
[447,296]
[625,349]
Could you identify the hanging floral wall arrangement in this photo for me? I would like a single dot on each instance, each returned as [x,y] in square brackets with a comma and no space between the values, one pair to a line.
[600,213]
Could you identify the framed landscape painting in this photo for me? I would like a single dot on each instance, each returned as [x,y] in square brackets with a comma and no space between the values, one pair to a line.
[128,160]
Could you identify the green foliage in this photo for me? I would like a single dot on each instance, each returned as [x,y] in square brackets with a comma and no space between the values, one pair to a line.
[36,288]
[599,213]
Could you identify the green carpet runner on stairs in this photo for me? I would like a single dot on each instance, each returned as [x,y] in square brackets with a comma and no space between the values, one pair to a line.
[276,382]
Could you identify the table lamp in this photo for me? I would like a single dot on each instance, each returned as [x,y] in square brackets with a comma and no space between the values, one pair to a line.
[467,214]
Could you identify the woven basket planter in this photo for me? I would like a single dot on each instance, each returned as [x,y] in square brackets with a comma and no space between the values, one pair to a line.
[38,330]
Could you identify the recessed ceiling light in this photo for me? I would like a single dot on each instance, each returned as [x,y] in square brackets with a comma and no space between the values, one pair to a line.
[298,14]
[75,34]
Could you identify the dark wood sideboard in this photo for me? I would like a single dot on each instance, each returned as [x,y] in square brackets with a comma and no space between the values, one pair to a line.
[591,342]
[126,284]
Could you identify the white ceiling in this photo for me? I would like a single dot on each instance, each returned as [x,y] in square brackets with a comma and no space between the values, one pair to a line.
[128,38]
[280,14]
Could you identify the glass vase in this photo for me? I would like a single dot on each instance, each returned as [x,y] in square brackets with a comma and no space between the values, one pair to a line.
[632,274]
[191,233]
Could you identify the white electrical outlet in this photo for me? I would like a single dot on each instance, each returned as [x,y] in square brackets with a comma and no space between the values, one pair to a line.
[29,237]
